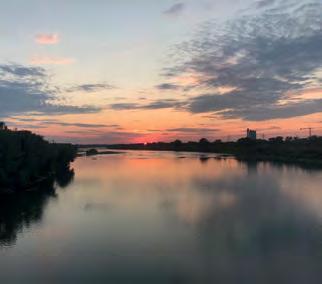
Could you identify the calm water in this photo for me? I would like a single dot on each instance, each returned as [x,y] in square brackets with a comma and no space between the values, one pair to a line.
[148,217]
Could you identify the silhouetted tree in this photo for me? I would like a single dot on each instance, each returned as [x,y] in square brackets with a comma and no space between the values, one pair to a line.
[177,145]
[288,139]
[278,139]
[204,145]
[26,158]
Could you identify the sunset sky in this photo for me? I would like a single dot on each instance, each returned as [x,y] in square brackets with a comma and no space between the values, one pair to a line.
[123,71]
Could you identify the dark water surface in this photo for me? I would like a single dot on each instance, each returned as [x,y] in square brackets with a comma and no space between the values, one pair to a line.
[149,217]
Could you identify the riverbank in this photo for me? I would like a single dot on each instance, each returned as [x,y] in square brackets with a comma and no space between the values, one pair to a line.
[289,150]
[27,160]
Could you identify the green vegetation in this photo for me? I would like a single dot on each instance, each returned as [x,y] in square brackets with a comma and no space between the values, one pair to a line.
[289,150]
[26,159]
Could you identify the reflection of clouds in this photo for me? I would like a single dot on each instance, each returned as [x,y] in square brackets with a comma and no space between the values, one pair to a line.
[96,206]
[152,172]
[265,225]
[194,206]
[304,189]
[171,184]
[246,219]
[179,221]
[195,189]
[88,182]
[225,216]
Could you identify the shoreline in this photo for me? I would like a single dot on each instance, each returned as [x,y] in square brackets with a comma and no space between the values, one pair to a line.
[280,159]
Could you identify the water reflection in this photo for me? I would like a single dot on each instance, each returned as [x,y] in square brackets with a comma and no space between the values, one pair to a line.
[148,217]
[20,211]
[204,159]
[263,235]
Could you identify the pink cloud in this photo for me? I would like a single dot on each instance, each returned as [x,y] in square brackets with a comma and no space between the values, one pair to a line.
[47,38]
[49,60]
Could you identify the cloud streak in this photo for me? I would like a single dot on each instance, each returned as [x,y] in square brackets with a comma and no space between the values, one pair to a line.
[51,60]
[47,39]
[21,71]
[80,125]
[192,130]
[264,3]
[167,87]
[158,104]
[175,9]
[109,137]
[89,88]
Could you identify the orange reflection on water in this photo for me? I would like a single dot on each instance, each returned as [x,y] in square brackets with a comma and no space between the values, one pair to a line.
[143,179]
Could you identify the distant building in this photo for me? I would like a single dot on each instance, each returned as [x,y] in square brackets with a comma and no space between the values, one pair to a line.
[251,134]
[3,126]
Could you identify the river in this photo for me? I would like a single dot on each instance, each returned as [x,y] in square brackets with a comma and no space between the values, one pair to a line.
[162,217]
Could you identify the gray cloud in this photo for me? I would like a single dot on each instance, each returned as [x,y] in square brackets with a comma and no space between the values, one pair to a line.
[26,89]
[91,87]
[110,137]
[162,104]
[124,106]
[81,125]
[264,3]
[38,123]
[167,86]
[84,131]
[277,111]
[192,130]
[159,104]
[24,119]
[265,56]
[22,71]
[25,126]
[175,9]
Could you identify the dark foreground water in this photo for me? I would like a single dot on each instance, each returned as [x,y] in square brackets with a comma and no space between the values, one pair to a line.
[148,217]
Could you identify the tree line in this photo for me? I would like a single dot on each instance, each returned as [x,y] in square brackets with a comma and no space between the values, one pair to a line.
[289,149]
[26,159]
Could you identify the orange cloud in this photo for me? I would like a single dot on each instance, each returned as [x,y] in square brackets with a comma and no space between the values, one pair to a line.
[310,94]
[47,39]
[188,79]
[49,60]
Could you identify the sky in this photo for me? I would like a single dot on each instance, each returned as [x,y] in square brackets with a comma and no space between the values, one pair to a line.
[136,71]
